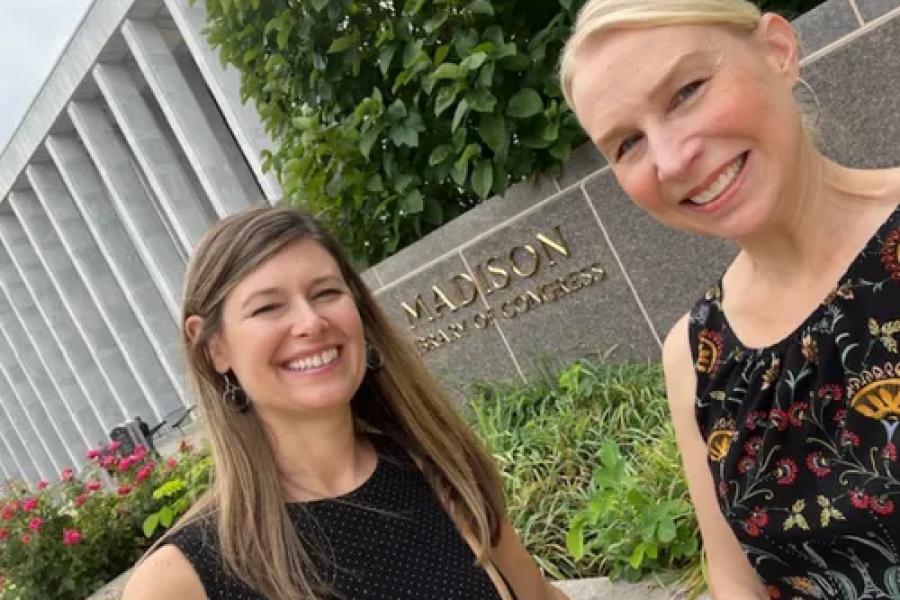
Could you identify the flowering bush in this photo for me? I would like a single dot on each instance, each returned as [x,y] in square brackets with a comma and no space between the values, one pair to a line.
[67,539]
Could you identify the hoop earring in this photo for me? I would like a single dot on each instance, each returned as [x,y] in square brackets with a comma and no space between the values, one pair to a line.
[815,98]
[231,393]
[374,357]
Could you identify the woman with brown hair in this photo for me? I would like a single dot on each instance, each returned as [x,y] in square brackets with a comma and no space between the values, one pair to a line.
[784,379]
[340,469]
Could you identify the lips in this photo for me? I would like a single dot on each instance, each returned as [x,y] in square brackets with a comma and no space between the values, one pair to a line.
[312,361]
[718,183]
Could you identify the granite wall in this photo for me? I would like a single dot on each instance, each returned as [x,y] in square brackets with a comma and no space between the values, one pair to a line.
[568,267]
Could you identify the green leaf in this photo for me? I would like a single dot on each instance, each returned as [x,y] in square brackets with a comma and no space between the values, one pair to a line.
[403,135]
[435,21]
[434,211]
[367,139]
[473,61]
[481,7]
[319,4]
[481,100]
[169,488]
[462,110]
[441,54]
[666,530]
[448,71]
[150,525]
[439,154]
[385,56]
[166,515]
[637,557]
[411,7]
[446,96]
[344,43]
[397,110]
[482,178]
[492,129]
[375,184]
[412,202]
[459,173]
[525,103]
[250,54]
[575,541]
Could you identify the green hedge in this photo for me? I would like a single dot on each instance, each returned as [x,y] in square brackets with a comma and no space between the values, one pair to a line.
[393,117]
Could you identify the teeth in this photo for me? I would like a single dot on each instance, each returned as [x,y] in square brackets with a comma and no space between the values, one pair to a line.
[720,184]
[313,362]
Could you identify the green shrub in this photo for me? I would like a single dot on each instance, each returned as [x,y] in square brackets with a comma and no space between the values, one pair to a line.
[589,461]
[391,118]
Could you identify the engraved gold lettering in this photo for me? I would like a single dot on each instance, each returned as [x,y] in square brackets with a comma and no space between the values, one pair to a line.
[495,270]
[559,245]
[535,260]
[441,301]
[598,271]
[508,312]
[533,299]
[481,280]
[466,289]
[414,312]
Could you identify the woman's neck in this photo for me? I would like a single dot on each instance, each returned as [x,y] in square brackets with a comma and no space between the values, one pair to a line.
[321,457]
[828,205]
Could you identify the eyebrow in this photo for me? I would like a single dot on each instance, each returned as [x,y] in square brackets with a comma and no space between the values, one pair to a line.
[673,71]
[269,291]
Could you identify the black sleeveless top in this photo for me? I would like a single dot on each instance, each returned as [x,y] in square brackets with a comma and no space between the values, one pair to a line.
[801,435]
[388,539]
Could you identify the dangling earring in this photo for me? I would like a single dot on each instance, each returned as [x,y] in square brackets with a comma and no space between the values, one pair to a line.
[231,393]
[815,98]
[374,357]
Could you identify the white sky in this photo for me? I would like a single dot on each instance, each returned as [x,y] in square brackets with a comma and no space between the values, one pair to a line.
[33,33]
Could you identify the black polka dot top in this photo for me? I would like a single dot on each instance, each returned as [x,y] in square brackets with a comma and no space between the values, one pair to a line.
[390,539]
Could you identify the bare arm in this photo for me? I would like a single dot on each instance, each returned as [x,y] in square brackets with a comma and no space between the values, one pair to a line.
[519,569]
[164,574]
[731,576]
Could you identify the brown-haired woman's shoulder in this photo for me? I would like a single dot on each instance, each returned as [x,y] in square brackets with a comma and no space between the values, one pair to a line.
[166,573]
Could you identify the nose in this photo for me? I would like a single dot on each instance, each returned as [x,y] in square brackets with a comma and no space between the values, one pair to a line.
[674,153]
[306,321]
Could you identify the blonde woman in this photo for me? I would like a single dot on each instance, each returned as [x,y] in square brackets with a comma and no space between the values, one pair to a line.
[340,469]
[784,380]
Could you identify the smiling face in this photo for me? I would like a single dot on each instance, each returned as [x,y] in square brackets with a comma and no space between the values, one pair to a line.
[698,122]
[292,334]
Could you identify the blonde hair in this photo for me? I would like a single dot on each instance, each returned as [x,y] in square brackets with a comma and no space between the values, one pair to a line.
[598,16]
[257,541]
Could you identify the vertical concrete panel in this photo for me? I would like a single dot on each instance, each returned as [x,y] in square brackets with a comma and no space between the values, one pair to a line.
[183,208]
[124,289]
[134,206]
[131,365]
[185,116]
[62,368]
[224,83]
[28,414]
[12,435]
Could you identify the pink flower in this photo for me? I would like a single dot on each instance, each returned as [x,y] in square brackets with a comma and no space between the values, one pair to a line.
[143,473]
[113,445]
[840,417]
[42,484]
[71,537]
[93,453]
[9,511]
[746,463]
[831,391]
[818,464]
[797,412]
[93,485]
[26,539]
[859,499]
[108,461]
[123,490]
[755,418]
[848,438]
[4,533]
[29,504]
[67,474]
[778,418]
[752,528]
[139,451]
[723,488]
[35,524]
[79,500]
[171,463]
[753,445]
[881,506]
[889,452]
[785,471]
[759,517]
[124,464]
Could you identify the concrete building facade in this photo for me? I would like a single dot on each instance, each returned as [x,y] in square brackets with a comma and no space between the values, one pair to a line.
[136,143]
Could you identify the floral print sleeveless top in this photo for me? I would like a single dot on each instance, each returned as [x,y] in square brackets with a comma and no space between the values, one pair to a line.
[802,435]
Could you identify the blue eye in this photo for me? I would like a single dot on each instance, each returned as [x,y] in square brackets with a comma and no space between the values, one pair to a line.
[627,144]
[264,309]
[687,91]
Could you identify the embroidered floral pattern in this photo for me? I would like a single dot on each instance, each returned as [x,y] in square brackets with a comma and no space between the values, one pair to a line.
[802,435]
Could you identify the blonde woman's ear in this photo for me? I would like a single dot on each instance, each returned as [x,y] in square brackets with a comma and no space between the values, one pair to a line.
[215,349]
[780,42]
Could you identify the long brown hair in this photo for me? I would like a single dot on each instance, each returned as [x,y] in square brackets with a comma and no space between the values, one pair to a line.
[401,400]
